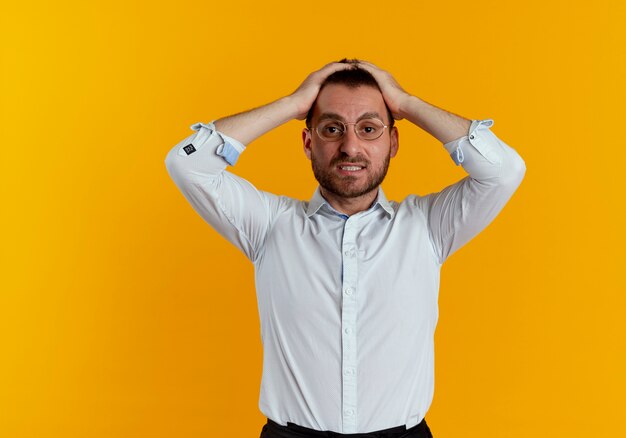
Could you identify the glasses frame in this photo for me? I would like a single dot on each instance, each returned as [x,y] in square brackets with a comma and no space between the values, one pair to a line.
[346,124]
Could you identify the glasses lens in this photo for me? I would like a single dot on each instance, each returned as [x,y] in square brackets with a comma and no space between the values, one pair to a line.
[369,129]
[331,129]
[366,129]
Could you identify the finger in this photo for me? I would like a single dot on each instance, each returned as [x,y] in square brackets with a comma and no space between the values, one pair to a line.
[320,75]
[332,67]
[375,71]
[369,65]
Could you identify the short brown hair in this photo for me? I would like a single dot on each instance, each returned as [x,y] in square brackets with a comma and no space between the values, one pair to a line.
[352,77]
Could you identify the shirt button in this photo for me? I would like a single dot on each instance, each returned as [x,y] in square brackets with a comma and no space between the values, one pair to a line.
[349,371]
[349,412]
[348,330]
[348,291]
[472,137]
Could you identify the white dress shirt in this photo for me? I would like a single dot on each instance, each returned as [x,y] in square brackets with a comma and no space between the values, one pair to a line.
[347,305]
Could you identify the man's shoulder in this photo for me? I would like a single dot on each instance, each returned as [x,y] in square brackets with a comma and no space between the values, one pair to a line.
[289,205]
[411,203]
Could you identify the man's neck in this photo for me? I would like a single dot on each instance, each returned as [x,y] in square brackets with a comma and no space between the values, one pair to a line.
[350,206]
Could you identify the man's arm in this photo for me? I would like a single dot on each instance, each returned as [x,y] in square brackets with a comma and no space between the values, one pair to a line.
[230,204]
[441,124]
[460,211]
[249,125]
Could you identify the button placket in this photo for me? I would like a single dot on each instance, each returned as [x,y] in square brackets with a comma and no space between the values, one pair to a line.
[348,326]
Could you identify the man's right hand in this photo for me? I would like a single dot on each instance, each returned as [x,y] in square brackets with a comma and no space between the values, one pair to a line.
[304,96]
[249,125]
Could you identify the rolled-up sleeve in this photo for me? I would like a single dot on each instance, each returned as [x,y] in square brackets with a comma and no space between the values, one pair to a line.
[460,211]
[227,202]
[207,149]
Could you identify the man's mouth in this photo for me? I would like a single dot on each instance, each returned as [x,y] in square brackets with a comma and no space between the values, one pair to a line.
[351,168]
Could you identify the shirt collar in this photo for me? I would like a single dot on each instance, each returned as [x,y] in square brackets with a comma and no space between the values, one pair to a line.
[317,201]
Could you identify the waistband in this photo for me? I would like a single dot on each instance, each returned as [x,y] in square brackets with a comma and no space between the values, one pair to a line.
[306,432]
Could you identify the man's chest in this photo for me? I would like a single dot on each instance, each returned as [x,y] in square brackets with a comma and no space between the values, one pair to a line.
[318,262]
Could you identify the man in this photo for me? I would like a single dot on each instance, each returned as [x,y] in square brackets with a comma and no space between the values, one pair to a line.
[347,283]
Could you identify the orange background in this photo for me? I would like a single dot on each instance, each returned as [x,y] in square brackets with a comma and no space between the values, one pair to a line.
[122,314]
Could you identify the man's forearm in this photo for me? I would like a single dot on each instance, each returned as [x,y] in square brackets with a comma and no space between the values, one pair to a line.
[439,123]
[249,125]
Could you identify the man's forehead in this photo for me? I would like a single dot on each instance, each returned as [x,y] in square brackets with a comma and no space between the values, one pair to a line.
[338,99]
[331,91]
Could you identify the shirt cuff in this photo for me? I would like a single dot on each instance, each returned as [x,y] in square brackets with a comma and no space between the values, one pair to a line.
[229,149]
[454,147]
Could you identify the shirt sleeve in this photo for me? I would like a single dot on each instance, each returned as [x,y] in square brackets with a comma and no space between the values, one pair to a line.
[460,211]
[230,204]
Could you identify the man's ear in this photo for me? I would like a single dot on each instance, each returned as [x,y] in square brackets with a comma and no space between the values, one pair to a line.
[394,144]
[306,142]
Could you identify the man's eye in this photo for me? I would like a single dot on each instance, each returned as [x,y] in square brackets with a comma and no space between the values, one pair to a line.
[332,129]
[369,129]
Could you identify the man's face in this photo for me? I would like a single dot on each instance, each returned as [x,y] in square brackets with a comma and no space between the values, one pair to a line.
[350,167]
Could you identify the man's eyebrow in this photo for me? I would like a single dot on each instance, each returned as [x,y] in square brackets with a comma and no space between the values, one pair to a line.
[367,115]
[334,116]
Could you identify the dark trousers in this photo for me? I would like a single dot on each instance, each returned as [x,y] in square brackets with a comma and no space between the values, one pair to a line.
[275,430]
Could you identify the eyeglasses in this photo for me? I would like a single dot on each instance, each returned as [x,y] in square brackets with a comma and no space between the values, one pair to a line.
[365,129]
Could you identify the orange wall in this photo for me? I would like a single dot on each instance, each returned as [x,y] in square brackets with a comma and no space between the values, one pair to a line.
[122,314]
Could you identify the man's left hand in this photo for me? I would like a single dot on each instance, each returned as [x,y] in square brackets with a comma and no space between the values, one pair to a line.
[394,95]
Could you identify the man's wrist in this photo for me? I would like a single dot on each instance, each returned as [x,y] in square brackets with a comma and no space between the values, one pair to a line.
[406,106]
[294,109]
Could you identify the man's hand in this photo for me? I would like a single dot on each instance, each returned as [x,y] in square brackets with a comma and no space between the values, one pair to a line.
[304,96]
[395,96]
[439,123]
[249,125]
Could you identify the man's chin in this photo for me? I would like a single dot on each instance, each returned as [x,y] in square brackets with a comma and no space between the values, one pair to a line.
[348,191]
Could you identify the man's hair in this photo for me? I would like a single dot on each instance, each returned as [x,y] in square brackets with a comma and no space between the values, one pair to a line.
[352,77]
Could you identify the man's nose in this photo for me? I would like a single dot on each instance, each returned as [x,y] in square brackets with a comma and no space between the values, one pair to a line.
[350,143]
